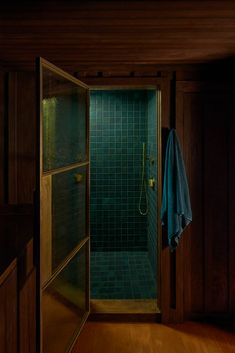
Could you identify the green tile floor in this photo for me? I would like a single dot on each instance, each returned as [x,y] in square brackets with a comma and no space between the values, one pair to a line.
[121,275]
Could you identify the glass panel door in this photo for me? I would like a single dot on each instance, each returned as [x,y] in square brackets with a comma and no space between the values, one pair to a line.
[64,211]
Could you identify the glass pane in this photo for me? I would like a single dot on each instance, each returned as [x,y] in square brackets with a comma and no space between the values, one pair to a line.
[64,305]
[68,212]
[64,121]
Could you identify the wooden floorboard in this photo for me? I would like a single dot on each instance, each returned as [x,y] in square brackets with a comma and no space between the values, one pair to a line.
[190,337]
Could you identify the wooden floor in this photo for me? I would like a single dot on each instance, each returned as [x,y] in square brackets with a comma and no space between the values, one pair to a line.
[58,317]
[190,337]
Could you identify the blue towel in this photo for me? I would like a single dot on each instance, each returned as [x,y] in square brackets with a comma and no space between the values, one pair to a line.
[176,211]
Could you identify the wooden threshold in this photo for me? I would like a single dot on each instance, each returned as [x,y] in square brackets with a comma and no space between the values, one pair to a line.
[124,306]
[125,310]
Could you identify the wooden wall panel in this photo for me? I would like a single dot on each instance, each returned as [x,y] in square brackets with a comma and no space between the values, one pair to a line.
[216,120]
[27,299]
[12,138]
[8,310]
[11,313]
[21,137]
[17,279]
[2,138]
[231,206]
[27,314]
[192,111]
[3,321]
[208,244]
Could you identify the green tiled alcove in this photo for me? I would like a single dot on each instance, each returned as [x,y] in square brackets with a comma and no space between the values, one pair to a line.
[120,121]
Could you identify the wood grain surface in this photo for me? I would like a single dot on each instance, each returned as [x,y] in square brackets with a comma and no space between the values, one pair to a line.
[133,32]
[189,337]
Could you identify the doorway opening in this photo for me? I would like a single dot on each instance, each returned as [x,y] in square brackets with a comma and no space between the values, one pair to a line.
[124,163]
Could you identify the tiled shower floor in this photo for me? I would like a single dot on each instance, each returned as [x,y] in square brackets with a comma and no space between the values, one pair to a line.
[121,275]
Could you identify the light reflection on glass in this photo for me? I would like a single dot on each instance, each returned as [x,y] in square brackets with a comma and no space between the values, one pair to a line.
[64,305]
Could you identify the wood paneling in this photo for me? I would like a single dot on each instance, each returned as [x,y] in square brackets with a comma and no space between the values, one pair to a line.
[16,229]
[71,34]
[215,136]
[8,310]
[191,106]
[208,243]
[17,284]
[27,314]
[2,138]
[17,305]
[231,208]
[21,137]
[27,299]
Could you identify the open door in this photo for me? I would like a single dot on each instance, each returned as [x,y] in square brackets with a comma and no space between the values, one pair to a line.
[64,208]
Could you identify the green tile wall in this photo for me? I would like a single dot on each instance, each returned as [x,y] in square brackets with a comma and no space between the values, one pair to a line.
[118,127]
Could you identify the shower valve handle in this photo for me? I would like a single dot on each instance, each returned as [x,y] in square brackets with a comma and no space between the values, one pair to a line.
[151,183]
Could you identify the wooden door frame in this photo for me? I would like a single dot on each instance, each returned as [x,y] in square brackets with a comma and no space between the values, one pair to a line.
[164,85]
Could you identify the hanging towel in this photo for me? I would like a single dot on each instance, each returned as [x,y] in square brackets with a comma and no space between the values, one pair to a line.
[176,211]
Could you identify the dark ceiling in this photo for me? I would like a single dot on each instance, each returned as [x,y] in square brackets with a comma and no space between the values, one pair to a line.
[95,34]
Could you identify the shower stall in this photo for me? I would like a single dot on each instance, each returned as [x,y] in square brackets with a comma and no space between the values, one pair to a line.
[98,224]
[123,195]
